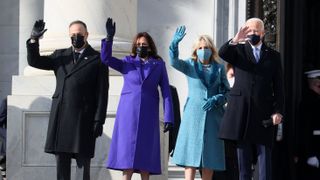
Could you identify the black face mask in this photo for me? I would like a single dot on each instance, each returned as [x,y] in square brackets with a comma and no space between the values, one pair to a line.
[254,39]
[77,41]
[142,51]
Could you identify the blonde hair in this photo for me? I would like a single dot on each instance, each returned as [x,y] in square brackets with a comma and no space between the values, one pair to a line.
[209,42]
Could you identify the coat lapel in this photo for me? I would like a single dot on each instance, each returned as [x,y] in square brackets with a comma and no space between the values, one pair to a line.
[249,52]
[136,62]
[150,66]
[263,52]
[214,75]
[199,71]
[67,62]
[85,58]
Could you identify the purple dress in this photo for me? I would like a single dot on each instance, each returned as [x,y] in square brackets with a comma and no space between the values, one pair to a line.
[135,141]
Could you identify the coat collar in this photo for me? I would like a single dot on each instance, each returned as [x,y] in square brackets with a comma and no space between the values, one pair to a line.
[215,72]
[249,52]
[89,55]
[151,64]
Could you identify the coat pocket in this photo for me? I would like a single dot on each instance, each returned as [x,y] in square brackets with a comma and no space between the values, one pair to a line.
[184,107]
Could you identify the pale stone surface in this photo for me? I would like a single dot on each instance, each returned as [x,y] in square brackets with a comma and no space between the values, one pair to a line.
[9,28]
[28,114]
[30,102]
[161,18]
[29,12]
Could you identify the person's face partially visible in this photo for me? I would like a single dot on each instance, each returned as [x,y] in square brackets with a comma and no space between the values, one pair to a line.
[314,84]
[255,28]
[78,29]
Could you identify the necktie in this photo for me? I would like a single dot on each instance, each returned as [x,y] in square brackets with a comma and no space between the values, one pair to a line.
[76,56]
[256,54]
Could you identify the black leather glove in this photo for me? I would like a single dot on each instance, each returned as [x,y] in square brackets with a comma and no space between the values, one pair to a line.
[97,129]
[167,127]
[38,30]
[111,29]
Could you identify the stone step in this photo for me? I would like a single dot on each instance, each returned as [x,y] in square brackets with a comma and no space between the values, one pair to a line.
[177,173]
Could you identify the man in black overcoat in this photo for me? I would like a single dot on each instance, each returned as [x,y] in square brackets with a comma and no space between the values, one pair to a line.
[79,103]
[309,129]
[255,103]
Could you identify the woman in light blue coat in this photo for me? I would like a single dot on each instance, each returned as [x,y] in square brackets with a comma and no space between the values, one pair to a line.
[198,145]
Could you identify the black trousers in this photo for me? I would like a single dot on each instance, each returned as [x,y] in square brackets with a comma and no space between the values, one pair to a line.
[64,167]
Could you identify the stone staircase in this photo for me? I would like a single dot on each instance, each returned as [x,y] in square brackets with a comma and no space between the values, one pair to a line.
[177,173]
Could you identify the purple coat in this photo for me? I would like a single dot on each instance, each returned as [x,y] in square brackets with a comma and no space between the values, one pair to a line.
[135,141]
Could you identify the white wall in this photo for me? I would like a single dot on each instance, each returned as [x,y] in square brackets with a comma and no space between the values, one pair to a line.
[9,44]
[161,18]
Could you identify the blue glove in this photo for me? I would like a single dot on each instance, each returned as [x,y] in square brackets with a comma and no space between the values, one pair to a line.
[214,102]
[211,102]
[111,29]
[178,36]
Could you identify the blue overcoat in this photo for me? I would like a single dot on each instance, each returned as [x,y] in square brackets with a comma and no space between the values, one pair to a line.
[135,141]
[198,144]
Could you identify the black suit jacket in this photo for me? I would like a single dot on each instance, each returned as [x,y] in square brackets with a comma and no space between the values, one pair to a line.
[257,93]
[80,98]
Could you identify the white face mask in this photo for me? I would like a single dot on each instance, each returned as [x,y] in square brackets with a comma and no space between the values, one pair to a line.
[231,81]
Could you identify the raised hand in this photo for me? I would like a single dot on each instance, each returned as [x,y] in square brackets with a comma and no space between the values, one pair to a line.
[241,36]
[111,28]
[179,34]
[38,29]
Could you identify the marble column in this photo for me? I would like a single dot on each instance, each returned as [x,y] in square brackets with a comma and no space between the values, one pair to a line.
[30,11]
[29,104]
[59,14]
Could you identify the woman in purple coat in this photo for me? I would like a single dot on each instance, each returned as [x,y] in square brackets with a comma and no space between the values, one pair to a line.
[135,144]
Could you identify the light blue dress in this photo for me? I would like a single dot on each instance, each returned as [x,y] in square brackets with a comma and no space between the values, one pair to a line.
[197,143]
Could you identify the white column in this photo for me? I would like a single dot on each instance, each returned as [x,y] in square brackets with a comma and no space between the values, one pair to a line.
[29,104]
[30,11]
[237,16]
[58,14]
[221,14]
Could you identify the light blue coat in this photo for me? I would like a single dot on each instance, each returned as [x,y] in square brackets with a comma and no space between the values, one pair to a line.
[198,144]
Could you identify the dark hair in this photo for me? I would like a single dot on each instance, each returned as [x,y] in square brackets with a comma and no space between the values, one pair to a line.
[78,22]
[153,50]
